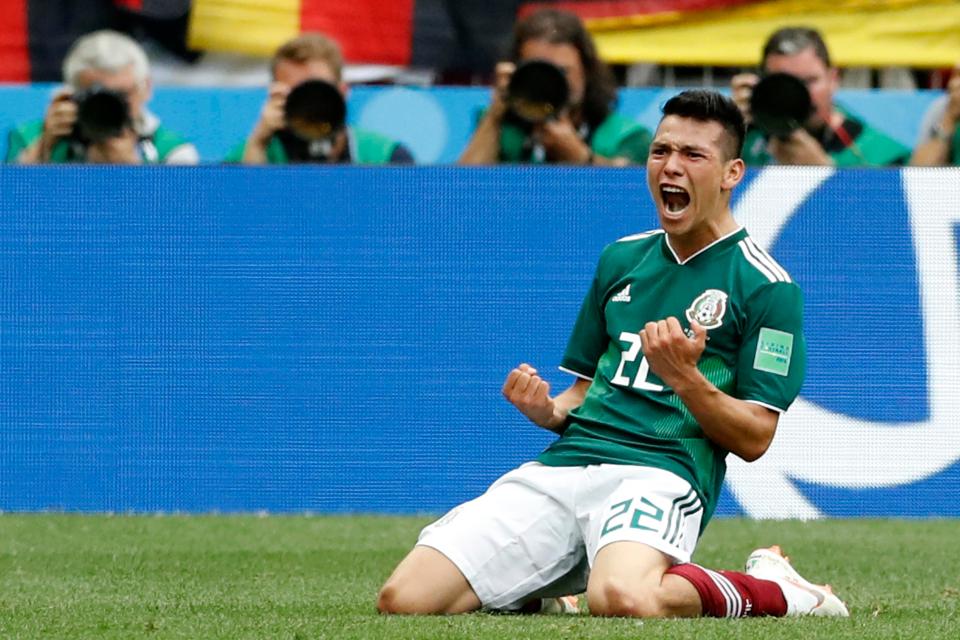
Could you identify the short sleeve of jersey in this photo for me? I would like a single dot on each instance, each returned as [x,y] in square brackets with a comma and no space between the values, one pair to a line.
[588,340]
[772,362]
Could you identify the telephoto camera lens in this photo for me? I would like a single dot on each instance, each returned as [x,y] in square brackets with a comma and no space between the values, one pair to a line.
[537,92]
[102,114]
[780,104]
[315,112]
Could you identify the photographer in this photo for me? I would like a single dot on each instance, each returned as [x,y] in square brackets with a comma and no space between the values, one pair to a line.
[310,125]
[100,116]
[584,131]
[829,135]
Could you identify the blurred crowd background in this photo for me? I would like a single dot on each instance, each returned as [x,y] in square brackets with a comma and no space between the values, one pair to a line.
[435,81]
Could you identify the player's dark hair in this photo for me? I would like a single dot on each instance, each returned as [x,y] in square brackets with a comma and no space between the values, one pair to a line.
[710,106]
[563,27]
[789,41]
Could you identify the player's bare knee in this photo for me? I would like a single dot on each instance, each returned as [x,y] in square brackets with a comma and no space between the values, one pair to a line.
[614,598]
[394,600]
[389,599]
[398,597]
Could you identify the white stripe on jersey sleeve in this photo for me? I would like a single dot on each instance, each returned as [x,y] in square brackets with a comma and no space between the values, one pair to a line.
[767,258]
[762,267]
[574,373]
[638,236]
[768,406]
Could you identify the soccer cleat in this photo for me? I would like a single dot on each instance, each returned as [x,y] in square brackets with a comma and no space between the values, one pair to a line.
[803,598]
[561,605]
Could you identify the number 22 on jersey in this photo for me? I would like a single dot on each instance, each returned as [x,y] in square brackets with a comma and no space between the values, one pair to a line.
[630,355]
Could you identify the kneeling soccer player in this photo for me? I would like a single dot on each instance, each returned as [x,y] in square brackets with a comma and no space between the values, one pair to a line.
[688,346]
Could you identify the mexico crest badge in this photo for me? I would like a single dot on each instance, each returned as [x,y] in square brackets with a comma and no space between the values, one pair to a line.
[708,309]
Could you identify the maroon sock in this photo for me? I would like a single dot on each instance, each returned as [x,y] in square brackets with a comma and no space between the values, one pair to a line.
[730,594]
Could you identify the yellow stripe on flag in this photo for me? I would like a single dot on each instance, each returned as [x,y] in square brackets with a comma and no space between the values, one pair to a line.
[255,27]
[858,33]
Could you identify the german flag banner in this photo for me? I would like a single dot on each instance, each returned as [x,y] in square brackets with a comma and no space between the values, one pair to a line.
[370,31]
[920,33]
[872,33]
[471,34]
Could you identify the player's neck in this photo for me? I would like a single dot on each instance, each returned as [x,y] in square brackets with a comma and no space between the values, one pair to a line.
[696,240]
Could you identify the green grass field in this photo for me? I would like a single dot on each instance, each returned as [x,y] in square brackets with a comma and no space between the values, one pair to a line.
[198,577]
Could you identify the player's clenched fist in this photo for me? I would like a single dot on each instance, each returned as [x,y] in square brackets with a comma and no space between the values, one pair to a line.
[530,393]
[672,354]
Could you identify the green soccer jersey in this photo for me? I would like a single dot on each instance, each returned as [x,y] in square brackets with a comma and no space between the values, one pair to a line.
[755,351]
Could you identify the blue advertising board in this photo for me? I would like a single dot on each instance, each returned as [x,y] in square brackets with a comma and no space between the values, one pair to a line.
[334,339]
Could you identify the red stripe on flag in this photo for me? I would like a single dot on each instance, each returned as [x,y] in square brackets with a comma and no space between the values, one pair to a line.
[13,41]
[132,5]
[367,30]
[588,9]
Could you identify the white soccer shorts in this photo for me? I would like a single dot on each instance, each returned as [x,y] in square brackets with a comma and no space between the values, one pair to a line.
[537,529]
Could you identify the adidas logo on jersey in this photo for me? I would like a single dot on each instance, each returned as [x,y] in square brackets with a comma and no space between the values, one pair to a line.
[623,296]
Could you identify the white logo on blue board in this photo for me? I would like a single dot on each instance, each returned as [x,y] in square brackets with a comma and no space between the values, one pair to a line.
[834,455]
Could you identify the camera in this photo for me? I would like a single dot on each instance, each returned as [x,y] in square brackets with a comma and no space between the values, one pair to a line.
[315,113]
[102,113]
[780,104]
[537,92]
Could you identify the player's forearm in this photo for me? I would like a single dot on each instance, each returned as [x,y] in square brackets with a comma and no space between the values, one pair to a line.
[564,403]
[740,427]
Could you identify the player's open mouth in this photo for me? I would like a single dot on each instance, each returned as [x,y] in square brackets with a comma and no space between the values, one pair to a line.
[675,199]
